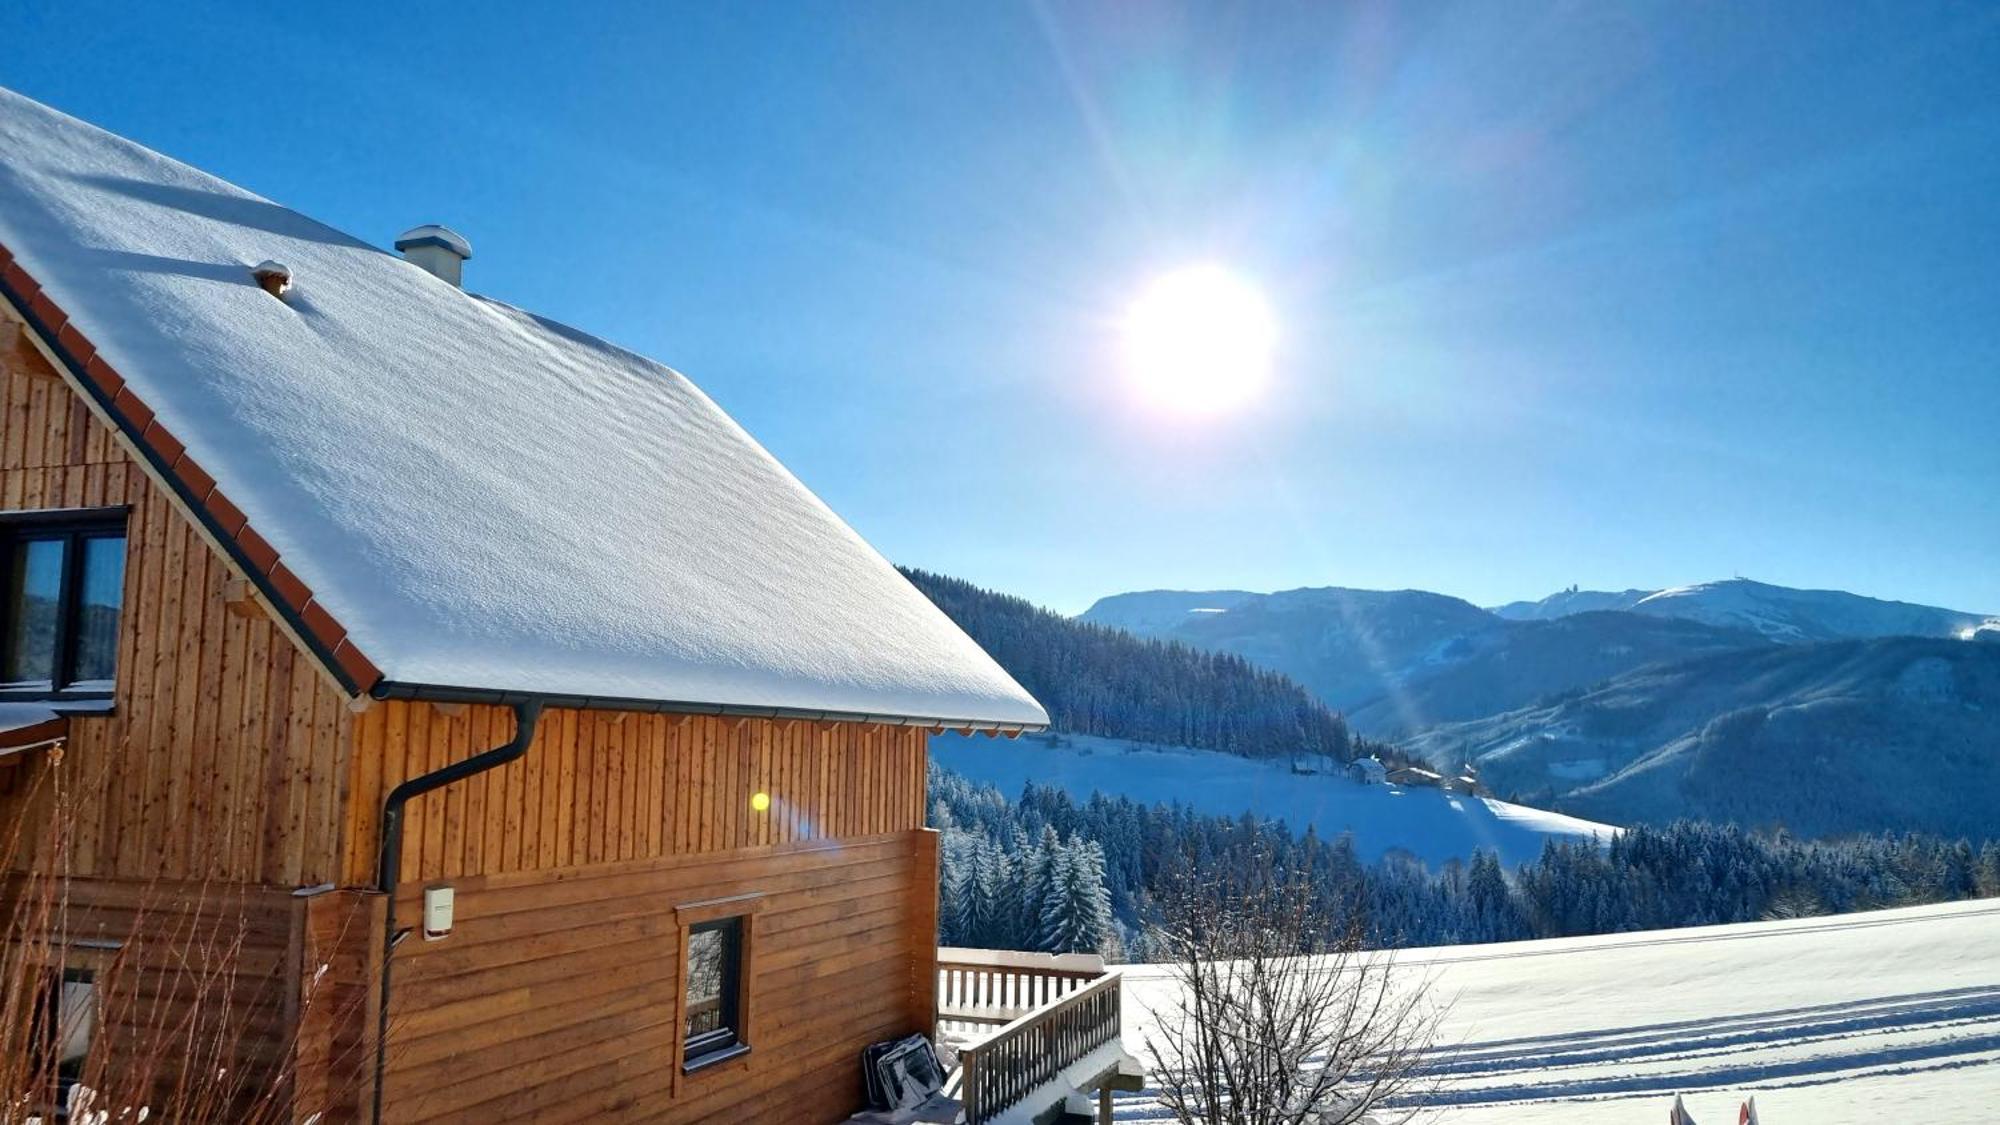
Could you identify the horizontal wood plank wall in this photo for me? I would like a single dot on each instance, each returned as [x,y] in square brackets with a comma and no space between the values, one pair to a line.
[606,787]
[553,999]
[178,964]
[225,756]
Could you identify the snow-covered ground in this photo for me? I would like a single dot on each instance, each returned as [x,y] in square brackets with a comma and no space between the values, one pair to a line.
[1890,1016]
[1430,824]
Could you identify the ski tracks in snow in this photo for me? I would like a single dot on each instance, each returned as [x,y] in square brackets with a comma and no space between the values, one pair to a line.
[1855,1036]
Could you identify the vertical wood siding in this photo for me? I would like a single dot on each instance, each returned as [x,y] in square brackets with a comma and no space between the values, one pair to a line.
[605,787]
[225,755]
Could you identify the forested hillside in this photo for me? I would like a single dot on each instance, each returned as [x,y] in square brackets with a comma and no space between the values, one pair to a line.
[1025,875]
[1096,680]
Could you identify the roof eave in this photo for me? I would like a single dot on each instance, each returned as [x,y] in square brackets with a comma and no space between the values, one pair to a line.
[444,693]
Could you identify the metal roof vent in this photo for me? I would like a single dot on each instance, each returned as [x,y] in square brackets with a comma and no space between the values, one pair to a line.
[440,250]
[275,277]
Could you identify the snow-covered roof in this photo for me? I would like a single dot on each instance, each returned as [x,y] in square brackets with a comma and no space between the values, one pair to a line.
[475,496]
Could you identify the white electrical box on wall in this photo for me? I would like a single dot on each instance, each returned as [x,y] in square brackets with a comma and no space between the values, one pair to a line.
[437,913]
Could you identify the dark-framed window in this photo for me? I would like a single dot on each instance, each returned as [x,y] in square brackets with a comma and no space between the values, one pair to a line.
[62,596]
[713,1000]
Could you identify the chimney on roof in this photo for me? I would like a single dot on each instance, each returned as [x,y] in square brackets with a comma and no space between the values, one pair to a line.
[440,250]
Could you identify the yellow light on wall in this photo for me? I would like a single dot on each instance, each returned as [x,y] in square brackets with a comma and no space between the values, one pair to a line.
[760,801]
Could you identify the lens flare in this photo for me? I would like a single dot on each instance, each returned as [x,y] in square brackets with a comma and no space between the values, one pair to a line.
[760,801]
[1200,340]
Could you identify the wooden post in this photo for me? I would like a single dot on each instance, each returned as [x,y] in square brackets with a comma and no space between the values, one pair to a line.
[968,1087]
[924,932]
[335,964]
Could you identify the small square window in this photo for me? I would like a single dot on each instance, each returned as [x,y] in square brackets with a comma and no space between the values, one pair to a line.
[714,992]
[62,595]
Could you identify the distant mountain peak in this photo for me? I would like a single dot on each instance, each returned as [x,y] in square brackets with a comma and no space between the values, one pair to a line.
[1567,602]
[1791,615]
[1780,613]
[1153,612]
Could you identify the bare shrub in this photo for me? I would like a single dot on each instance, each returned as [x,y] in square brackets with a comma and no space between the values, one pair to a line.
[159,1008]
[1280,1016]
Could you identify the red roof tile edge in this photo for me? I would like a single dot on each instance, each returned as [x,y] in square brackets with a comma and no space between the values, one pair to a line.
[293,598]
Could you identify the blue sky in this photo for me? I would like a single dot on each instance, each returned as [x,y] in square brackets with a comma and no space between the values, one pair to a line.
[1609,295]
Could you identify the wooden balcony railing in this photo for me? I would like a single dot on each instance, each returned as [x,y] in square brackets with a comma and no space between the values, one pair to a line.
[982,988]
[703,1017]
[1028,1053]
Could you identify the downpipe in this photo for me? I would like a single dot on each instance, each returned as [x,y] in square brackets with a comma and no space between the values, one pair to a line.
[526,716]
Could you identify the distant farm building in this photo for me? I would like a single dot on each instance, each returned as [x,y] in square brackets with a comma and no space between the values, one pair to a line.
[1415,777]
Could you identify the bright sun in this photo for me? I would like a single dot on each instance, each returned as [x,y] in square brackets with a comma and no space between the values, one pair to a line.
[1199,340]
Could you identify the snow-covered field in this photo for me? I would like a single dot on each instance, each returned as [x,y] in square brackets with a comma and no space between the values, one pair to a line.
[1432,825]
[1890,1016]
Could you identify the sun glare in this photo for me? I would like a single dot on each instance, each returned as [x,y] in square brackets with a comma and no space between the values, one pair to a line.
[1199,340]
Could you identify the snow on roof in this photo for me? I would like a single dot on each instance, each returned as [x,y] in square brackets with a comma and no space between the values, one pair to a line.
[481,497]
[431,234]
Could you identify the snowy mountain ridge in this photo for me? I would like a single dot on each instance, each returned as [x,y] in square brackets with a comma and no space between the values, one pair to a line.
[1398,661]
[1571,601]
[1891,733]
[1785,614]
[1149,612]
[1823,710]
[1782,613]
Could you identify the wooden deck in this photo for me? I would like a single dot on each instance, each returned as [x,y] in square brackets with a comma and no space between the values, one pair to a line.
[1052,1011]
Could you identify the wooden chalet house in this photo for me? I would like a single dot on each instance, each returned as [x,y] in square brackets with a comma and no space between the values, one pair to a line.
[551,751]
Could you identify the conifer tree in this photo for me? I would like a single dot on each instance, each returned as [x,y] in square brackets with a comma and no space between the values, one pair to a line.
[972,898]
[1076,909]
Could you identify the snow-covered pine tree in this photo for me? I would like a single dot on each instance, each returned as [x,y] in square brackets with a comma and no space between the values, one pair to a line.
[1494,916]
[1076,911]
[1003,896]
[1035,871]
[972,920]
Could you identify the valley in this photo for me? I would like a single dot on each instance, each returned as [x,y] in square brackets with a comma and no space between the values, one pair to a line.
[1820,711]
[1382,820]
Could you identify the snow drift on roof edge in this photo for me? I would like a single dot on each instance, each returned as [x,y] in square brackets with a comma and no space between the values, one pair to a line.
[483,498]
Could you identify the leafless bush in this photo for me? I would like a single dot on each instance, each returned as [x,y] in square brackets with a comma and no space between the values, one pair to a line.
[1280,1016]
[165,1014]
